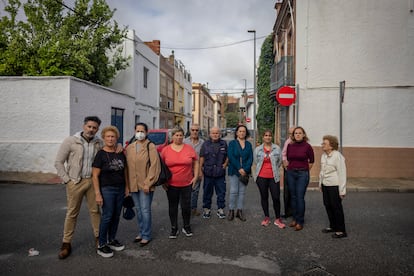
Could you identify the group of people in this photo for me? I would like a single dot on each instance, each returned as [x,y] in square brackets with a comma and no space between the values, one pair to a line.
[105,173]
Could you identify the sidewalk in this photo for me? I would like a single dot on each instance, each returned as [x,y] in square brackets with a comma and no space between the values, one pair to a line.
[401,185]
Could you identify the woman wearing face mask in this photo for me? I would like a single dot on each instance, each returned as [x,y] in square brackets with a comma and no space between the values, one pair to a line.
[143,170]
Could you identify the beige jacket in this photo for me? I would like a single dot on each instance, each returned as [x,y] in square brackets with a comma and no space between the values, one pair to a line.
[71,153]
[141,176]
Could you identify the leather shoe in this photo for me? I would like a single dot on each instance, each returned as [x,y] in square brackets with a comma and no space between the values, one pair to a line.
[240,215]
[142,244]
[230,216]
[137,239]
[292,224]
[339,235]
[65,250]
[298,227]
[327,230]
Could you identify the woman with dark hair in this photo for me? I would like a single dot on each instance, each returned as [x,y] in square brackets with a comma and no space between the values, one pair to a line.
[268,159]
[240,156]
[301,158]
[182,161]
[143,171]
[332,182]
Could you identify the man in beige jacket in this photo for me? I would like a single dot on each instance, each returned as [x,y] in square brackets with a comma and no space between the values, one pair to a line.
[78,152]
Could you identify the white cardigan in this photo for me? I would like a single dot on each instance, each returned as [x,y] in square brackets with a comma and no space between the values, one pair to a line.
[333,171]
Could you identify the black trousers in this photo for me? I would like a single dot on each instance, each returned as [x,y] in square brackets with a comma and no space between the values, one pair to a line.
[264,185]
[286,196]
[182,196]
[333,206]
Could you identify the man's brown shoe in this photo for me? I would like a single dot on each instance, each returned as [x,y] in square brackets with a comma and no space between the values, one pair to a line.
[292,224]
[65,250]
[298,227]
[195,212]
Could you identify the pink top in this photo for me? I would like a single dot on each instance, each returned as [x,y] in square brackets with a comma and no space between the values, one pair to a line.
[266,170]
[284,151]
[180,164]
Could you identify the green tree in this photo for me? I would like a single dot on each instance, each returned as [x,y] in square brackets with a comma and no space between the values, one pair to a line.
[55,41]
[232,119]
[266,111]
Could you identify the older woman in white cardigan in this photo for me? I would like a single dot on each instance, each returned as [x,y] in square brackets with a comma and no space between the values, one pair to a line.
[332,182]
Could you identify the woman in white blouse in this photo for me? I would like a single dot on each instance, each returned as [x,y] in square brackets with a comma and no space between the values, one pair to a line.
[332,182]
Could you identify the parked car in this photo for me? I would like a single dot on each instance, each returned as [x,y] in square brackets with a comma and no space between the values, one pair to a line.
[160,137]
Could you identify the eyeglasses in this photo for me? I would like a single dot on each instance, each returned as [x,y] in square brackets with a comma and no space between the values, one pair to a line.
[194,129]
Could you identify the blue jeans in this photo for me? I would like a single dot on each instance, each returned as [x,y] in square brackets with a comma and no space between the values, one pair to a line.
[237,192]
[194,194]
[211,184]
[142,203]
[298,182]
[111,211]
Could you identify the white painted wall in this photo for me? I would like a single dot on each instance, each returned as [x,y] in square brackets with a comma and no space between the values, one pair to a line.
[188,100]
[37,113]
[369,44]
[131,81]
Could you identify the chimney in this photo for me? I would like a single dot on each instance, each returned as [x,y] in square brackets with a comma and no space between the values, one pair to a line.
[154,45]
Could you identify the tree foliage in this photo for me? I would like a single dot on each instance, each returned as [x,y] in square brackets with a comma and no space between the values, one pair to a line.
[266,111]
[52,41]
[232,119]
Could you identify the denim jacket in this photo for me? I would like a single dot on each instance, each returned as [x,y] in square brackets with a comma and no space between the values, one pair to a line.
[275,159]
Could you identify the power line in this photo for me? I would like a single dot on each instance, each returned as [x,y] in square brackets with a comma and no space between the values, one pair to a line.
[167,47]
[210,47]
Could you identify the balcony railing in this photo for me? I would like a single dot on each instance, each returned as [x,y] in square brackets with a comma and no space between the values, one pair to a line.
[282,74]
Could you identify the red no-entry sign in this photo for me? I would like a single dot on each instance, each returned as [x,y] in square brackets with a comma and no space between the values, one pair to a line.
[286,95]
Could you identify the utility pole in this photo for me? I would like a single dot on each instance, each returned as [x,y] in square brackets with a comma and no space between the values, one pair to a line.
[254,89]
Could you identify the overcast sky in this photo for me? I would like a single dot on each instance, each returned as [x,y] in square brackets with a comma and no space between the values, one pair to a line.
[184,24]
[199,24]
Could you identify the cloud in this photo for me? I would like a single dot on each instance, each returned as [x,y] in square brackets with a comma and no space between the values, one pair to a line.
[203,23]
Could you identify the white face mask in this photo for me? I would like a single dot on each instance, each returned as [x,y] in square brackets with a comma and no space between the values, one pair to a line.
[140,136]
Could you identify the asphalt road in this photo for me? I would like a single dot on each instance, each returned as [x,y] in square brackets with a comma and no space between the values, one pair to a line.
[380,242]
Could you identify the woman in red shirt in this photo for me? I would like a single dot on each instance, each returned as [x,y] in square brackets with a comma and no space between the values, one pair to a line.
[182,161]
[268,159]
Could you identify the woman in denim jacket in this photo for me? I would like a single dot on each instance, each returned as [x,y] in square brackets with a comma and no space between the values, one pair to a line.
[268,158]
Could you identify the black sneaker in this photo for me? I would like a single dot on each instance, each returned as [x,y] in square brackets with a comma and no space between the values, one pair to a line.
[187,231]
[174,233]
[105,251]
[116,245]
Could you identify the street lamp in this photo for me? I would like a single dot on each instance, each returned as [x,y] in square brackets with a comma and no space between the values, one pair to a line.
[254,89]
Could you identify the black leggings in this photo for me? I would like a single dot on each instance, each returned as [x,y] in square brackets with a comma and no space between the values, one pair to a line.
[182,196]
[264,185]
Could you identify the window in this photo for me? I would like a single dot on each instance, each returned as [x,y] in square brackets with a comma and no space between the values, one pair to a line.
[146,70]
[117,119]
[137,119]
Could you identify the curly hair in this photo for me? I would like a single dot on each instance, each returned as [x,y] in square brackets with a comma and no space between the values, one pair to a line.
[333,141]
[114,129]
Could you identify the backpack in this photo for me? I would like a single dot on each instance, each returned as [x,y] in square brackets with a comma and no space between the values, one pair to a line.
[165,173]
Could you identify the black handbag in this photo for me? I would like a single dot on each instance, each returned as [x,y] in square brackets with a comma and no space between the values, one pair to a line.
[165,173]
[128,205]
[244,179]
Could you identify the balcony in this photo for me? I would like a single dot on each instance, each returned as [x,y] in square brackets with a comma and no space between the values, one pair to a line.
[282,74]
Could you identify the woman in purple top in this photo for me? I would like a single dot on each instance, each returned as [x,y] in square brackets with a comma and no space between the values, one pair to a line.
[300,159]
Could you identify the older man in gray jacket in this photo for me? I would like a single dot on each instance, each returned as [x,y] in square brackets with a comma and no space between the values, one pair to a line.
[78,152]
